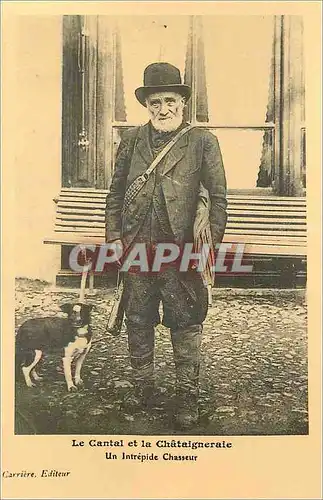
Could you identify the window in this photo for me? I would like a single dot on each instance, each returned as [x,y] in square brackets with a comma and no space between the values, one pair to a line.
[245,72]
[143,41]
[238,65]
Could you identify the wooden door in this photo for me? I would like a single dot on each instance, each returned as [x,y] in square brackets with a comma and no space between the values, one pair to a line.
[87,101]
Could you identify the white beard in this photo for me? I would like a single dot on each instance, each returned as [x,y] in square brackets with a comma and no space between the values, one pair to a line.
[168,125]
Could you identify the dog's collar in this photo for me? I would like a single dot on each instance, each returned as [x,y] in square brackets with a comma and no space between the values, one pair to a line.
[82,331]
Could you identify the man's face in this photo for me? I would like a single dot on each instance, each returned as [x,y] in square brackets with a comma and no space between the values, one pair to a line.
[165,110]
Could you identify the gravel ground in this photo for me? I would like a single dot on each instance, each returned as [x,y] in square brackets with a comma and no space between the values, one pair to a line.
[253,372]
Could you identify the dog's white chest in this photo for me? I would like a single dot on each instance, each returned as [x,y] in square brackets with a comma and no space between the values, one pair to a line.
[77,347]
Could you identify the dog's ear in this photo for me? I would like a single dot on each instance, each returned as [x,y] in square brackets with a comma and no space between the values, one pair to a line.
[66,308]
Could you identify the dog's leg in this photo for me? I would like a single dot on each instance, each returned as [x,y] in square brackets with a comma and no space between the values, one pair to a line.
[27,369]
[67,362]
[79,363]
[35,375]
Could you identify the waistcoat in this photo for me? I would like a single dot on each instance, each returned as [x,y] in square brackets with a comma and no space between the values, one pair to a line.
[156,226]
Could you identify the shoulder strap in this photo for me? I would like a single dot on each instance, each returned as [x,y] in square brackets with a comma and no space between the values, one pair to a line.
[167,148]
[139,182]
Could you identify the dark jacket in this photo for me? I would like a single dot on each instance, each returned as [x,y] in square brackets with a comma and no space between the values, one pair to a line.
[195,158]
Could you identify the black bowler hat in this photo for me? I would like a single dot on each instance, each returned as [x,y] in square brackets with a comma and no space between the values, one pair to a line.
[161,77]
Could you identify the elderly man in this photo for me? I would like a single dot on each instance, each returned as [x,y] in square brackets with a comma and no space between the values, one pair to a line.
[164,211]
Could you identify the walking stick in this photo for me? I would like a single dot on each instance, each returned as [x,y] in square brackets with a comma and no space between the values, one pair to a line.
[85,270]
[117,312]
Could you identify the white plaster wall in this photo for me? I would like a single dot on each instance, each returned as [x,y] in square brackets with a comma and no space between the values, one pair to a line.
[38,144]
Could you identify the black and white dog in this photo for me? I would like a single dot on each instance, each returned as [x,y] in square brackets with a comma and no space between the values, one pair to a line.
[72,335]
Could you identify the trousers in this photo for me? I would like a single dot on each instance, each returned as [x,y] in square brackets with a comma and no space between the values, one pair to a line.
[183,298]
